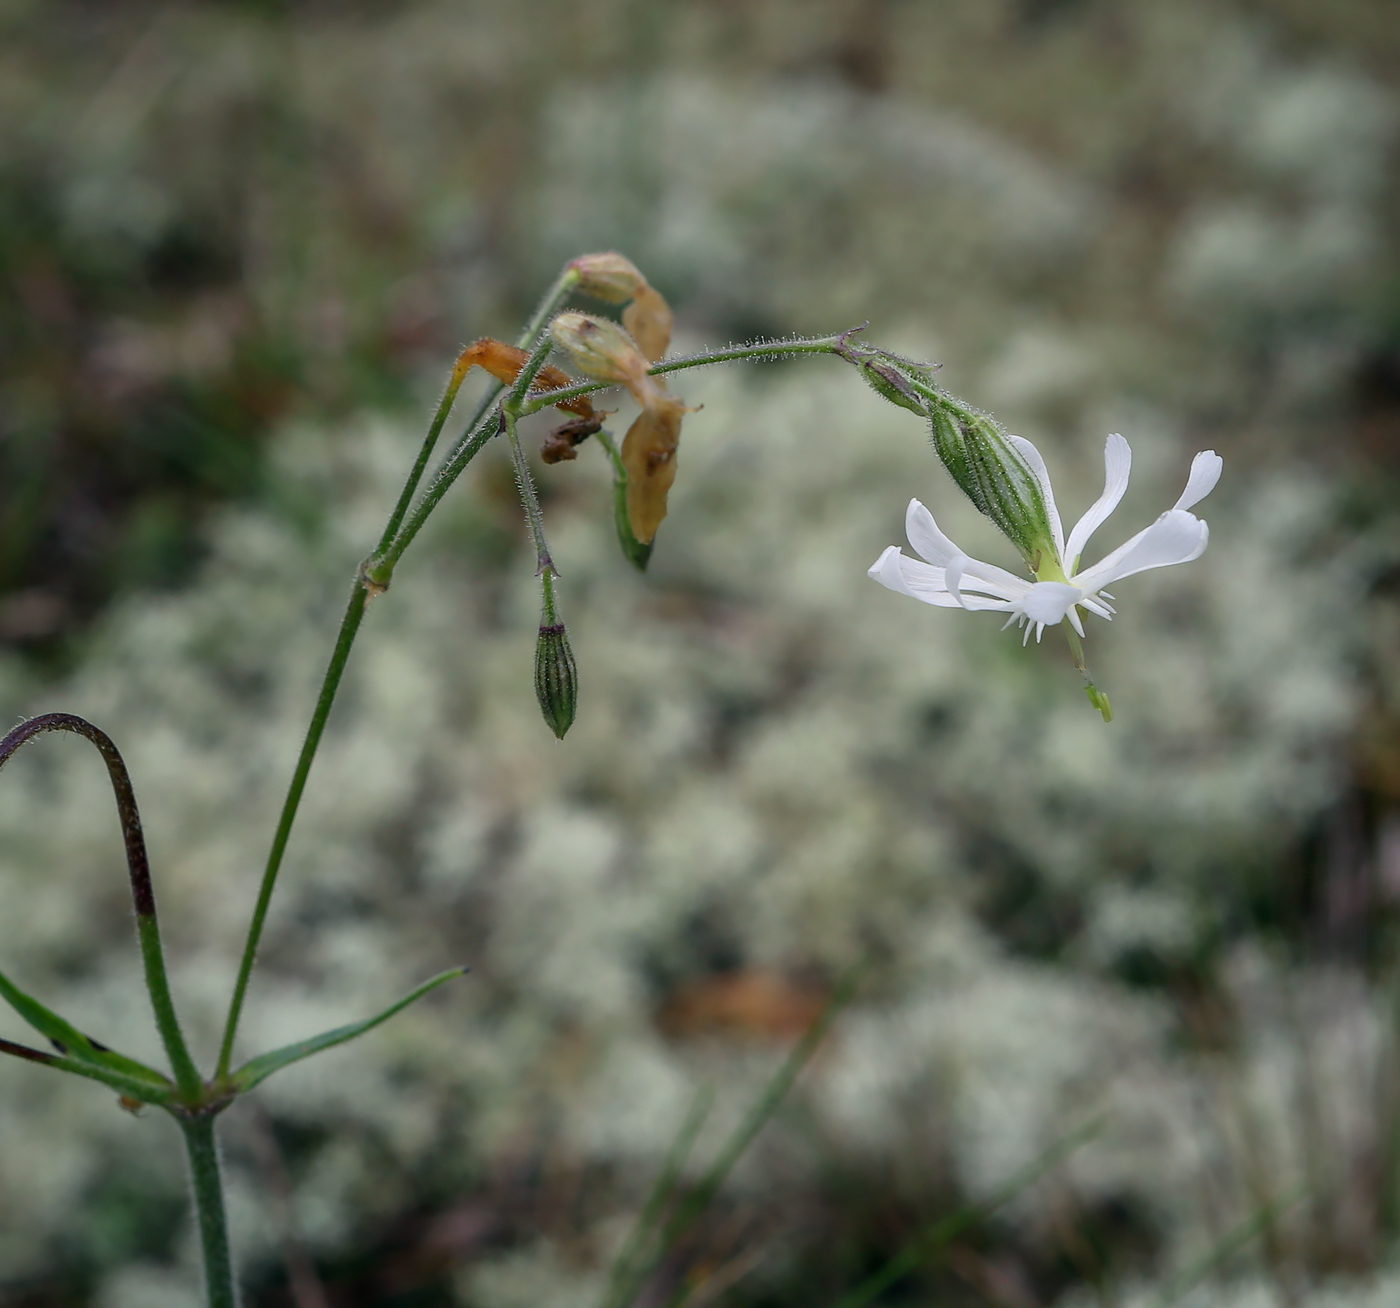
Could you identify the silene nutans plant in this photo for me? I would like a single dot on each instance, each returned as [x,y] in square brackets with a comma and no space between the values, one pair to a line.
[1003,475]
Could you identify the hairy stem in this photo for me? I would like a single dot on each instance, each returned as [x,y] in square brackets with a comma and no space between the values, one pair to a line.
[759,350]
[340,656]
[202,1149]
[387,554]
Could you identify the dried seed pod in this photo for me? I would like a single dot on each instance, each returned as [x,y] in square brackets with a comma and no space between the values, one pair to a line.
[504,363]
[650,320]
[609,276]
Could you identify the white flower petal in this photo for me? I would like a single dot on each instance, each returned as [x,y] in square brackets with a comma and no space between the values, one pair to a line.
[1042,475]
[928,540]
[922,581]
[927,537]
[1117,463]
[1205,472]
[1176,537]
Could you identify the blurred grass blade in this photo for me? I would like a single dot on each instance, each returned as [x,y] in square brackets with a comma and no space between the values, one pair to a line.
[259,1069]
[637,554]
[74,1046]
[689,1210]
[1230,1244]
[621,1274]
[935,1237]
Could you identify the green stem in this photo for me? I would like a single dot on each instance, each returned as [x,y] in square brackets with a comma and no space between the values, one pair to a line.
[477,435]
[764,350]
[187,1077]
[487,425]
[349,626]
[205,1181]
[539,320]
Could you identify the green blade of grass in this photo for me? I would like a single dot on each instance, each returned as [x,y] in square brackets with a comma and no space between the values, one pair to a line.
[623,1268]
[1229,1245]
[935,1237]
[689,1210]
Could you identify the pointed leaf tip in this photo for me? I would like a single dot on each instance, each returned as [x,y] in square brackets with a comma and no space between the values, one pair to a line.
[258,1069]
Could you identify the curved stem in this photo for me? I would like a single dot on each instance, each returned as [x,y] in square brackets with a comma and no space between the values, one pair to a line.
[202,1148]
[143,895]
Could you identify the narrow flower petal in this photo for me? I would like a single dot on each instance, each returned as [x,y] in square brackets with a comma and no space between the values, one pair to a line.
[1117,462]
[1205,472]
[1042,474]
[927,537]
[929,542]
[922,581]
[1176,537]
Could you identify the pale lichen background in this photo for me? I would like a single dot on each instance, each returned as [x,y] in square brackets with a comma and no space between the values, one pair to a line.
[1177,222]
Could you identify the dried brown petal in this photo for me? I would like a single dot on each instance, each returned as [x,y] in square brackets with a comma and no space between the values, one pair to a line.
[649,455]
[649,319]
[560,445]
[504,363]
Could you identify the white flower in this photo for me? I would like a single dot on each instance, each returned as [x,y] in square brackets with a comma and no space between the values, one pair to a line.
[951,579]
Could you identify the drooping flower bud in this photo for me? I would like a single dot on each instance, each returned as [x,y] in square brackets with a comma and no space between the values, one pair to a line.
[602,350]
[650,320]
[556,677]
[884,378]
[649,455]
[994,475]
[609,276]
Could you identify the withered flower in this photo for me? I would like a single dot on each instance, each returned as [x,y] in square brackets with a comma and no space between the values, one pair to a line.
[649,455]
[649,319]
[606,352]
[504,363]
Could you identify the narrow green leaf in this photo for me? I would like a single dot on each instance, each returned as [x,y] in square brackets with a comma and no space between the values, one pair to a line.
[1229,1245]
[689,1209]
[260,1068]
[620,1278]
[636,553]
[74,1046]
[131,1087]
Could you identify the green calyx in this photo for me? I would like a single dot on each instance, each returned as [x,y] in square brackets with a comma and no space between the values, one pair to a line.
[995,476]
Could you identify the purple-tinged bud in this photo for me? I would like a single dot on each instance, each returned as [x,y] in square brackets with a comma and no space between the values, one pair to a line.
[556,678]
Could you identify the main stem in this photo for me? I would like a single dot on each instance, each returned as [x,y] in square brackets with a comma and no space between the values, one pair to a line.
[345,640]
[340,656]
[203,1151]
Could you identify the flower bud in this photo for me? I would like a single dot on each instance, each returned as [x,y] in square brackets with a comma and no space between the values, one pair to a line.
[604,351]
[611,277]
[886,379]
[650,320]
[556,678]
[994,475]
